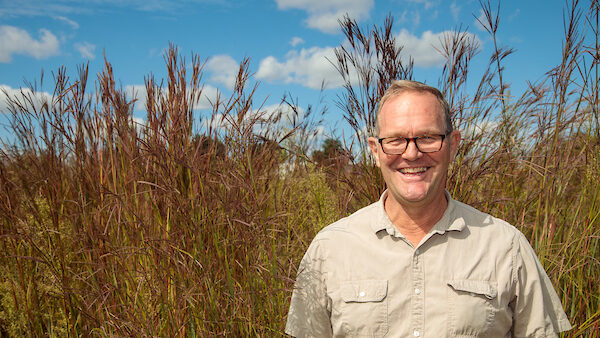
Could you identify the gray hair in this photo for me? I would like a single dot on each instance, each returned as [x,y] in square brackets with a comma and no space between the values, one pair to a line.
[400,86]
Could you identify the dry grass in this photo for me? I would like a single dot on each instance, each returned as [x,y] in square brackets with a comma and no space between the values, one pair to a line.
[178,229]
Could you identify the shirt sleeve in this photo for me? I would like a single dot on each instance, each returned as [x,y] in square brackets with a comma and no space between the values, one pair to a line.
[310,307]
[537,310]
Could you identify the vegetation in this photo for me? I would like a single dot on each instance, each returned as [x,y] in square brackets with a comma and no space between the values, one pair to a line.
[179,228]
[332,153]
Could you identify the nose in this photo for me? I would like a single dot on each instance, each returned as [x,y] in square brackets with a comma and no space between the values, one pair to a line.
[412,152]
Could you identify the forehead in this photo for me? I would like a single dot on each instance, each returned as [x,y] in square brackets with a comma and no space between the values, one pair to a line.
[411,112]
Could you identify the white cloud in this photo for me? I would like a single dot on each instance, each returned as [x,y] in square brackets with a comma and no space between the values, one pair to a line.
[17,94]
[308,67]
[426,3]
[272,70]
[475,129]
[214,122]
[481,21]
[455,10]
[312,67]
[86,50]
[68,21]
[288,114]
[421,49]
[272,121]
[425,49]
[324,15]
[137,92]
[69,7]
[416,18]
[14,40]
[411,17]
[138,123]
[296,41]
[208,97]
[223,69]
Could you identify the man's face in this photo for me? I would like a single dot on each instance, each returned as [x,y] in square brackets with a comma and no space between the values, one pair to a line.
[414,179]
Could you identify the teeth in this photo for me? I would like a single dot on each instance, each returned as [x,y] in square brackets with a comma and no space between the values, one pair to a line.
[412,170]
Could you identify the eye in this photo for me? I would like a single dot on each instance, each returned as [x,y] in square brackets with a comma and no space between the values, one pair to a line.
[395,141]
[426,140]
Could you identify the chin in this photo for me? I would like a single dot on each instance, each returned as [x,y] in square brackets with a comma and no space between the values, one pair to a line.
[417,195]
[420,197]
[410,198]
[415,200]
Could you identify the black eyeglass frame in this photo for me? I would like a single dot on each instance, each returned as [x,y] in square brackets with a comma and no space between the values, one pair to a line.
[414,139]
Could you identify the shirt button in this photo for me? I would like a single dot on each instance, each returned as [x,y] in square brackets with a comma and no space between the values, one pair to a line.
[416,253]
[417,291]
[361,294]
[416,333]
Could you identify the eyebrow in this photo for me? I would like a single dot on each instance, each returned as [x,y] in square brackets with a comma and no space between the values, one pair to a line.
[430,132]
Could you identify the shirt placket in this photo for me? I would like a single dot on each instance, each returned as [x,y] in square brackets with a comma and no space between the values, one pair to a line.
[417,301]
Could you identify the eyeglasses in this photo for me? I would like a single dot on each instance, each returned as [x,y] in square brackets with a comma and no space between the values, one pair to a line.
[425,144]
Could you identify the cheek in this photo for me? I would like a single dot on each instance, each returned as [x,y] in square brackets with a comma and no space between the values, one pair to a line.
[443,163]
[386,161]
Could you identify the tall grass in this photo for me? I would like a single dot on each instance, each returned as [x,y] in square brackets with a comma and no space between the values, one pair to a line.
[112,228]
[531,159]
[179,228]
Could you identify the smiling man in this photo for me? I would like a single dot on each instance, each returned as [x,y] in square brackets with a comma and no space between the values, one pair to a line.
[418,263]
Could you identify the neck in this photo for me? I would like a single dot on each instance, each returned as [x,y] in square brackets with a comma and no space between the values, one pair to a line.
[415,221]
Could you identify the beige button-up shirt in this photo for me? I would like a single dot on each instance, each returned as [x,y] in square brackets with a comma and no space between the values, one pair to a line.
[473,275]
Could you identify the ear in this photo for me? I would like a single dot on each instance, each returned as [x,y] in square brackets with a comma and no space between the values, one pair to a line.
[374,145]
[454,142]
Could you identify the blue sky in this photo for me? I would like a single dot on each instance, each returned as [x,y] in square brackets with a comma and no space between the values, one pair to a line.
[288,41]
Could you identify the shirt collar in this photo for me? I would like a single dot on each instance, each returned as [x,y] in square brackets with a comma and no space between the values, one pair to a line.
[450,220]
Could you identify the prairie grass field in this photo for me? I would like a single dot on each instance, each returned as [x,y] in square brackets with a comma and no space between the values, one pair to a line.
[184,226]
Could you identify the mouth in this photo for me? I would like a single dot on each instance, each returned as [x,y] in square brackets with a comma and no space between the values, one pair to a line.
[416,171]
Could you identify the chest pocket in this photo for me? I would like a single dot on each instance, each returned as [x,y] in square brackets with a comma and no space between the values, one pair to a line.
[364,309]
[472,307]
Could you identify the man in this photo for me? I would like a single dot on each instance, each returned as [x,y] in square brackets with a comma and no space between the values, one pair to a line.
[418,263]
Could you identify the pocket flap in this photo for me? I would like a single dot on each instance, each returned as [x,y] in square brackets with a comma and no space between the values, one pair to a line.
[362,291]
[484,288]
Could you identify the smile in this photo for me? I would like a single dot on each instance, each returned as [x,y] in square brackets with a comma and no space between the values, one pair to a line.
[413,171]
